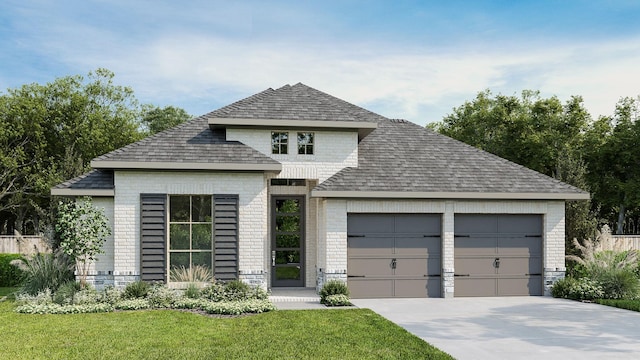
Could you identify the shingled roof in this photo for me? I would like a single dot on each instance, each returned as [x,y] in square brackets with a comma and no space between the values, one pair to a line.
[402,159]
[94,183]
[189,146]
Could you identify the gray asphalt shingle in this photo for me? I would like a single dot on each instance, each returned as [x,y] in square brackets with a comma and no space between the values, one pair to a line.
[94,179]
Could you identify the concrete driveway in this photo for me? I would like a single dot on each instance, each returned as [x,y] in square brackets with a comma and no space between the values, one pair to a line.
[516,327]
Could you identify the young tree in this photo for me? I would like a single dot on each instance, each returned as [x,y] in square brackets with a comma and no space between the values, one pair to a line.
[82,229]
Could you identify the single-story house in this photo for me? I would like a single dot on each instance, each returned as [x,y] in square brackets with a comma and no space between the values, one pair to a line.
[293,187]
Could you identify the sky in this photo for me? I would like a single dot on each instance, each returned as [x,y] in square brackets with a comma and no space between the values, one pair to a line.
[415,60]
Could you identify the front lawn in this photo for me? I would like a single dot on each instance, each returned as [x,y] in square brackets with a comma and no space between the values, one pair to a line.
[156,334]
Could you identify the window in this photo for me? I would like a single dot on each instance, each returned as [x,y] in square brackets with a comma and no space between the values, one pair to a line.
[305,143]
[288,182]
[190,234]
[279,142]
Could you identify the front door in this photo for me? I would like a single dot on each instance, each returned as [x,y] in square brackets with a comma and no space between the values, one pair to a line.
[287,241]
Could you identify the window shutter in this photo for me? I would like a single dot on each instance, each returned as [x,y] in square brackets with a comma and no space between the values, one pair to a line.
[225,236]
[153,237]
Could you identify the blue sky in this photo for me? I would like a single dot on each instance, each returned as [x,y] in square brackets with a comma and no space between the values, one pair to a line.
[403,59]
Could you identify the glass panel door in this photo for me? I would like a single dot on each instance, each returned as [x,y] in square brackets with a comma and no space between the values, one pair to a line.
[287,245]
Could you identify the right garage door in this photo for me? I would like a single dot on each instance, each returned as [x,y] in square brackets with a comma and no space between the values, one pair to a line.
[498,255]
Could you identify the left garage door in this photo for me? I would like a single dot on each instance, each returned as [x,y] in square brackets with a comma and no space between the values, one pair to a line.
[394,255]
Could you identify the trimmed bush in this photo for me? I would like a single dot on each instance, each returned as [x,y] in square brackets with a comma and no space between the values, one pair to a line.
[577,289]
[333,287]
[10,275]
[136,290]
[337,300]
[66,293]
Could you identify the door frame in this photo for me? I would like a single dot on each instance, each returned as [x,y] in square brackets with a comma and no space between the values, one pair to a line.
[272,235]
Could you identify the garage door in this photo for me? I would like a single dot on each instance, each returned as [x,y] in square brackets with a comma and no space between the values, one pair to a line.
[498,255]
[393,255]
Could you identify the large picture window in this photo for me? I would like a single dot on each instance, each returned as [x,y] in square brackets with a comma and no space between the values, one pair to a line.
[190,234]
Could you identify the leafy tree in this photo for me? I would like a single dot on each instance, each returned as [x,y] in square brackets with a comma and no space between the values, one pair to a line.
[49,133]
[82,229]
[611,149]
[156,119]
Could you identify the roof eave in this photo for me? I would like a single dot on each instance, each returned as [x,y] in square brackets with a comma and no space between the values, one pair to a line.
[83,192]
[364,128]
[165,165]
[449,195]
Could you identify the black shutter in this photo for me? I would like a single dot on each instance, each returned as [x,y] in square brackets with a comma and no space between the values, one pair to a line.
[153,237]
[225,235]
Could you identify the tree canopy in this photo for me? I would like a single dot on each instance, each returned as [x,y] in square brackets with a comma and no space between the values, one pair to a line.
[156,119]
[49,133]
[563,141]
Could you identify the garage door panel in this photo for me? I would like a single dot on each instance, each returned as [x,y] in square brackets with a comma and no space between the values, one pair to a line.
[370,223]
[476,224]
[527,224]
[465,246]
[417,224]
[362,246]
[520,286]
[414,267]
[518,245]
[476,266]
[466,286]
[417,288]
[520,265]
[370,267]
[361,288]
[417,245]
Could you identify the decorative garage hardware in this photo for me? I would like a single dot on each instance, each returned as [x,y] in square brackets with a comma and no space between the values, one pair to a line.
[394,263]
[355,276]
[431,236]
[355,236]
[458,275]
[536,236]
[461,236]
[427,275]
[496,263]
[539,274]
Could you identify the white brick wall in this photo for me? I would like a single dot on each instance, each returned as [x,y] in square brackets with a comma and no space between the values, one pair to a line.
[250,187]
[104,261]
[333,151]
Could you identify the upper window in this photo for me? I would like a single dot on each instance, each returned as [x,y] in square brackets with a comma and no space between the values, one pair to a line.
[279,142]
[305,143]
[190,236]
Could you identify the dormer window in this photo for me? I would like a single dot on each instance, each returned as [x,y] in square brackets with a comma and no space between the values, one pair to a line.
[305,143]
[279,142]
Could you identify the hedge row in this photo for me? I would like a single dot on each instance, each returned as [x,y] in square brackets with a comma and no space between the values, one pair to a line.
[9,274]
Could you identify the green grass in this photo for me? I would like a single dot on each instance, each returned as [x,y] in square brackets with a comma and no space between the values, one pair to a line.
[633,305]
[166,334]
[4,291]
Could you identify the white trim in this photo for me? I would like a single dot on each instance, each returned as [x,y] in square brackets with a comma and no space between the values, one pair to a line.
[449,195]
[83,192]
[320,124]
[165,165]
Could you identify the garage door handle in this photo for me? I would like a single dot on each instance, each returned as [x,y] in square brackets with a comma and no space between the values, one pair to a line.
[358,276]
[461,275]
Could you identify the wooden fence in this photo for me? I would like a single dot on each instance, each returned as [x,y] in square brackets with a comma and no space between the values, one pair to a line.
[619,242]
[22,244]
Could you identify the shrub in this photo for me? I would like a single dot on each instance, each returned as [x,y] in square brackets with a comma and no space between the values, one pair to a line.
[192,291]
[10,275]
[197,273]
[45,271]
[236,290]
[132,304]
[619,283]
[577,289]
[213,292]
[136,290]
[633,305]
[333,287]
[238,307]
[160,296]
[66,293]
[110,295]
[337,300]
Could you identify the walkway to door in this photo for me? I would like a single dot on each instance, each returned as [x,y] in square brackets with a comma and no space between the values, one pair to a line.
[531,327]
